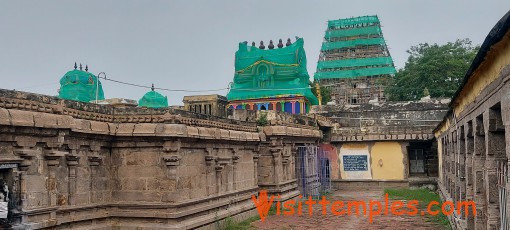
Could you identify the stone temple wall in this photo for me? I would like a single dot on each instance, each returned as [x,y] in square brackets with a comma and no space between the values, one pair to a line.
[410,120]
[85,166]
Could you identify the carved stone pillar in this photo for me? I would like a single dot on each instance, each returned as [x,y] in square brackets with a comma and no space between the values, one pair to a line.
[505,114]
[209,163]
[72,162]
[285,164]
[218,169]
[24,165]
[478,167]
[495,153]
[235,160]
[276,164]
[221,162]
[94,161]
[293,152]
[256,157]
[469,145]
[52,158]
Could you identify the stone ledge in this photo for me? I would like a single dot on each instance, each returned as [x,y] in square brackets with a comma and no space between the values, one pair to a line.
[141,210]
[339,137]
[290,131]
[24,101]
[21,118]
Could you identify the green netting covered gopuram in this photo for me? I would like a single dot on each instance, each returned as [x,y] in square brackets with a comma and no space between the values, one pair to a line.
[354,62]
[153,99]
[354,47]
[271,79]
[79,85]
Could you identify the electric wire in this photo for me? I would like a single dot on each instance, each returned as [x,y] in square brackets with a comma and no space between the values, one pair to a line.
[228,88]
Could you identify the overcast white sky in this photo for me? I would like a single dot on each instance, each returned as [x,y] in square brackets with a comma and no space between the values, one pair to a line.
[191,44]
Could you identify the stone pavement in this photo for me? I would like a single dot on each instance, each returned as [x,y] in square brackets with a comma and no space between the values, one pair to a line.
[330,221]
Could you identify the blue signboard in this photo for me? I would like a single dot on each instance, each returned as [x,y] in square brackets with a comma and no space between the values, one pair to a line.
[355,162]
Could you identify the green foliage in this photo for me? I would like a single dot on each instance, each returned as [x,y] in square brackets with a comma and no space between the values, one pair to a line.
[325,93]
[424,197]
[262,120]
[426,92]
[230,224]
[438,68]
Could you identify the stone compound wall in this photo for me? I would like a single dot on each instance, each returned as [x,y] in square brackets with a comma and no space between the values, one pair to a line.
[79,165]
[412,120]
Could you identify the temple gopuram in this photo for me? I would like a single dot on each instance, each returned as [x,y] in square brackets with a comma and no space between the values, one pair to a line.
[354,61]
[271,79]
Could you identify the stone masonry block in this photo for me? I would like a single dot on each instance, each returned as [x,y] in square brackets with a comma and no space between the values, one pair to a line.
[125,129]
[192,131]
[99,127]
[81,125]
[174,130]
[45,120]
[206,133]
[145,129]
[64,121]
[21,118]
[234,135]
[113,128]
[224,134]
[5,118]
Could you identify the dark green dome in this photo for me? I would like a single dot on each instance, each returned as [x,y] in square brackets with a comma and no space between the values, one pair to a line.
[153,99]
[80,85]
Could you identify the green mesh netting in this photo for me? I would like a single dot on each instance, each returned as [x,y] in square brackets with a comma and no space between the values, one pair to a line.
[355,73]
[352,43]
[353,32]
[81,86]
[271,73]
[353,21]
[354,62]
[153,99]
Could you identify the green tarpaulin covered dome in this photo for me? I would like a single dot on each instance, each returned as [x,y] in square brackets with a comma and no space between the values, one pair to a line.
[271,73]
[153,99]
[81,86]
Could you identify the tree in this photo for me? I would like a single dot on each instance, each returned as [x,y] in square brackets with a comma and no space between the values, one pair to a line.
[325,92]
[437,70]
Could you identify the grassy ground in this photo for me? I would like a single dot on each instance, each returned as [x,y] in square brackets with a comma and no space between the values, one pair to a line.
[230,224]
[424,196]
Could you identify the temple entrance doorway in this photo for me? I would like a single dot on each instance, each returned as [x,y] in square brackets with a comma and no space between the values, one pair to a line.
[7,198]
[416,161]
[422,160]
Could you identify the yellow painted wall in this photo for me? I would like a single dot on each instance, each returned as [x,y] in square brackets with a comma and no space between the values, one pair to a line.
[387,161]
